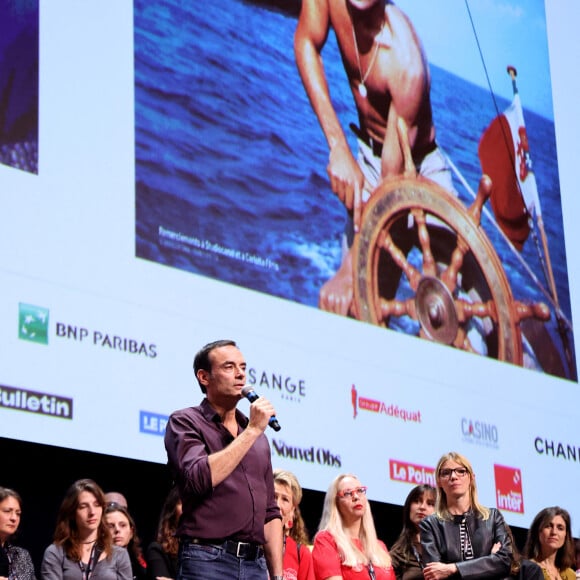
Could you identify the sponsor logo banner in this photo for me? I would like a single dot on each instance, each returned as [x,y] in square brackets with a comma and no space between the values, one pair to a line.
[306,454]
[290,388]
[33,326]
[411,473]
[105,340]
[508,489]
[33,323]
[479,433]
[557,449]
[391,410]
[36,402]
[152,423]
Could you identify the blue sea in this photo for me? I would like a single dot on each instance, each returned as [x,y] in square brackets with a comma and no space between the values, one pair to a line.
[231,176]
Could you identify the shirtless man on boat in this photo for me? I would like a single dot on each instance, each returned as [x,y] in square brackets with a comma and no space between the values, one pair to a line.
[389,77]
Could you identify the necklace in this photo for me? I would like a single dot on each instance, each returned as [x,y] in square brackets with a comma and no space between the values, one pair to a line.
[551,569]
[362,89]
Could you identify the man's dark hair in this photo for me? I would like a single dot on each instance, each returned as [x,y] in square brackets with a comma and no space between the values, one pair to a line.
[201,360]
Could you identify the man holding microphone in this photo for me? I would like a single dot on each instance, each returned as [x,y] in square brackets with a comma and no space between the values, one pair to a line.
[231,525]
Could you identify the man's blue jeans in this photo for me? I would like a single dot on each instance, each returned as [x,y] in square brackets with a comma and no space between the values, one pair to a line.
[202,562]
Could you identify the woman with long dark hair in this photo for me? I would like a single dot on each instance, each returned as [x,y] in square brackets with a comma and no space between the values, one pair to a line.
[83,548]
[161,554]
[406,551]
[550,544]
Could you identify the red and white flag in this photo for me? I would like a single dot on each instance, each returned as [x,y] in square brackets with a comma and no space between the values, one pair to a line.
[504,155]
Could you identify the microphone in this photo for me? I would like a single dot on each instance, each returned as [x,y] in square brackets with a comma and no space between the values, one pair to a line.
[252,396]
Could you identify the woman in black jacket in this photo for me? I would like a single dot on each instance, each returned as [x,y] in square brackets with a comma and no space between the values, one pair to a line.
[463,538]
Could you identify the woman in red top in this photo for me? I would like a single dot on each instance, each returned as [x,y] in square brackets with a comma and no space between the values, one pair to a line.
[297,557]
[346,545]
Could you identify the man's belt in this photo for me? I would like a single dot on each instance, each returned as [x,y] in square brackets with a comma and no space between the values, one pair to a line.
[242,550]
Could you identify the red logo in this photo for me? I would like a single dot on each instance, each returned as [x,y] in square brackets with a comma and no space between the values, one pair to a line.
[363,404]
[508,489]
[411,473]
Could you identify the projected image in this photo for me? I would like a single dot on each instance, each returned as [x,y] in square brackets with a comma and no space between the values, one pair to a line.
[232,180]
[19,85]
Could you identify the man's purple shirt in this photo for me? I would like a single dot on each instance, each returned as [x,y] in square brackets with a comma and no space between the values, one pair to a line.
[240,505]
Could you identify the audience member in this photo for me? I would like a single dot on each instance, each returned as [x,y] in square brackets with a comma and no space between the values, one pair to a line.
[406,551]
[446,532]
[458,538]
[15,562]
[124,532]
[520,568]
[346,545]
[161,554]
[83,547]
[114,497]
[297,557]
[550,544]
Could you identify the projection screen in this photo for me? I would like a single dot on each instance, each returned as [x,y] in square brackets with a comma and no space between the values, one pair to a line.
[163,184]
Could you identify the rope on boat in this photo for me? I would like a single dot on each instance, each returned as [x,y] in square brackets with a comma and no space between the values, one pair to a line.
[514,251]
[564,325]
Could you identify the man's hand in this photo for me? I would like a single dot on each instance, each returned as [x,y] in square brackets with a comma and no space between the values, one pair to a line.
[438,571]
[346,180]
[260,412]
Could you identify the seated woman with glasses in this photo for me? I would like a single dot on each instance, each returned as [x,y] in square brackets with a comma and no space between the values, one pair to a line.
[463,538]
[346,545]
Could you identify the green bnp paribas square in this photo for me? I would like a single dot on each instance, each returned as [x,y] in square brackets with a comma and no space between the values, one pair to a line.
[33,323]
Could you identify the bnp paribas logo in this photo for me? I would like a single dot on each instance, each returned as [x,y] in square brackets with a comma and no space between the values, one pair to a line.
[33,323]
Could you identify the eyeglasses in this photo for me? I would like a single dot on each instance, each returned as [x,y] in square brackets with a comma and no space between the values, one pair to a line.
[447,473]
[348,493]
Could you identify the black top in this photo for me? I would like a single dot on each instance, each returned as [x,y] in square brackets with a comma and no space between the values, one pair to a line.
[159,562]
[16,562]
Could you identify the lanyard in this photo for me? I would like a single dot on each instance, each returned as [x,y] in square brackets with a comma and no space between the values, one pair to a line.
[417,556]
[90,567]
[5,560]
